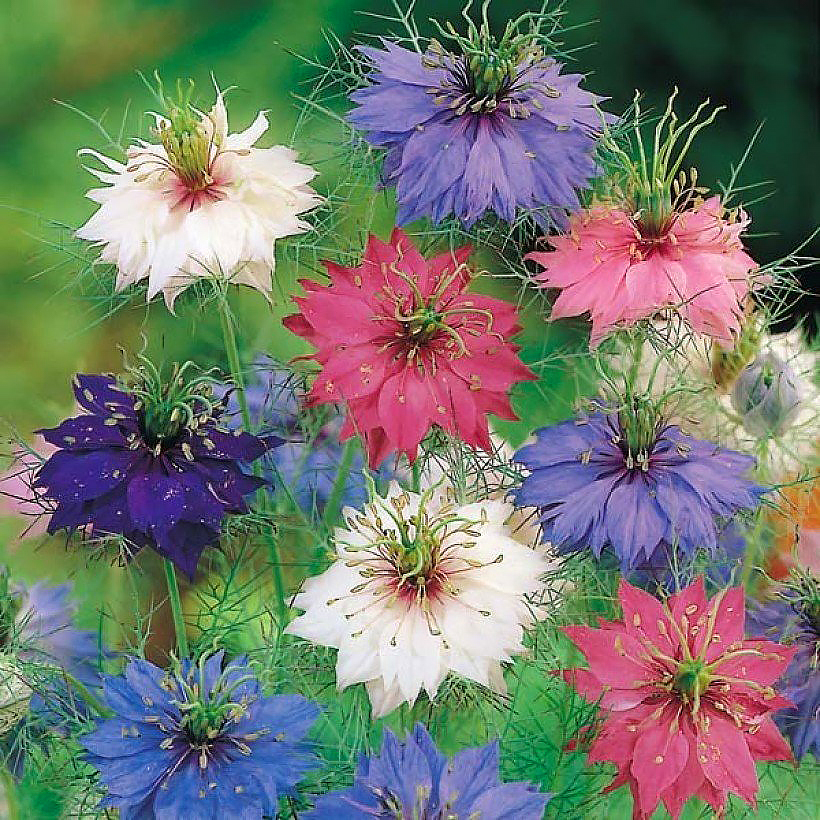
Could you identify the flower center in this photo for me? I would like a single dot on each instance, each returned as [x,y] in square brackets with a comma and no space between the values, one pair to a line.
[483,71]
[691,680]
[167,407]
[639,423]
[202,721]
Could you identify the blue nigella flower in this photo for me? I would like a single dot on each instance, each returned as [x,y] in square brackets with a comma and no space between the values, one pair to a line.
[201,742]
[308,466]
[603,483]
[795,620]
[151,461]
[413,779]
[485,124]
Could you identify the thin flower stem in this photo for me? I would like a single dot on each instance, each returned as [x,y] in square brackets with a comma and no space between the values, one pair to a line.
[176,608]
[232,351]
[334,502]
[85,693]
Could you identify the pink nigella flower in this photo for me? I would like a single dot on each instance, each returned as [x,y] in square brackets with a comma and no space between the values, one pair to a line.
[687,701]
[404,347]
[653,243]
[618,271]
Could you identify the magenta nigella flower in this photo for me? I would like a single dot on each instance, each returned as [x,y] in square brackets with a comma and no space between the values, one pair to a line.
[414,779]
[489,126]
[686,702]
[603,482]
[794,619]
[150,461]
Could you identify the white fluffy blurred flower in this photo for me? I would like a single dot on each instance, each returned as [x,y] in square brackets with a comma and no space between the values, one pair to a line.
[422,587]
[761,399]
[200,203]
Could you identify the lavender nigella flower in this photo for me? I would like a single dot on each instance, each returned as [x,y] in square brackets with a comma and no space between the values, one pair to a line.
[630,483]
[37,628]
[149,460]
[490,125]
[200,742]
[794,619]
[413,779]
[37,623]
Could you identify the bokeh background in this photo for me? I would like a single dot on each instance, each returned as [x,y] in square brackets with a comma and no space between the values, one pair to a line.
[758,57]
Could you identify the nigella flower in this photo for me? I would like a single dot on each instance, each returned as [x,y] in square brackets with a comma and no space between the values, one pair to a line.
[654,245]
[687,703]
[492,125]
[309,460]
[149,460]
[198,741]
[42,644]
[414,779]
[200,203]
[606,481]
[37,623]
[404,347]
[421,586]
[794,619]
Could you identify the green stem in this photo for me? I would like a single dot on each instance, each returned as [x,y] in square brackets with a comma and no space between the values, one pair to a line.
[85,693]
[232,351]
[176,608]
[334,502]
[416,476]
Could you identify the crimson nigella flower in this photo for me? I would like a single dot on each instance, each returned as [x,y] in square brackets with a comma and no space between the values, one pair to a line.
[687,703]
[486,124]
[405,347]
[150,462]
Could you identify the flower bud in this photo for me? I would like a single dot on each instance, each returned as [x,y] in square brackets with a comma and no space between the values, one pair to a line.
[767,396]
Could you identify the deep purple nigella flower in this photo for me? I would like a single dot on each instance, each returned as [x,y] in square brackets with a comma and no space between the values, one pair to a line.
[795,620]
[151,461]
[413,779]
[309,465]
[604,482]
[489,126]
[202,742]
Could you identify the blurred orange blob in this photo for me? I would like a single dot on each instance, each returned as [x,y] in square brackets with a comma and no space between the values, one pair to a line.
[797,530]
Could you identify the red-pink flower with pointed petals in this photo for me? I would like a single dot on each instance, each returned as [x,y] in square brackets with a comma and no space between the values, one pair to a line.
[687,702]
[405,347]
[619,271]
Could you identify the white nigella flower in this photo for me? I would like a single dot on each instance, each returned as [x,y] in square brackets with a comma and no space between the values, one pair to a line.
[420,587]
[200,203]
[761,398]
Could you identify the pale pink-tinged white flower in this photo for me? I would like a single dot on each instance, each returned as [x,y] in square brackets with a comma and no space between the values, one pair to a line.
[620,270]
[422,586]
[687,702]
[200,203]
